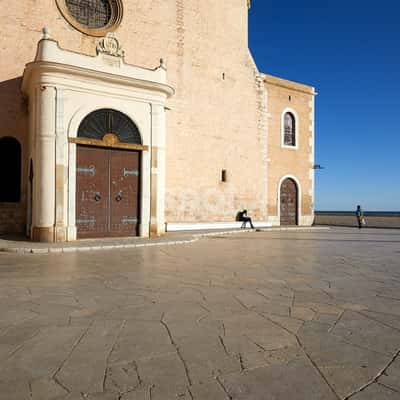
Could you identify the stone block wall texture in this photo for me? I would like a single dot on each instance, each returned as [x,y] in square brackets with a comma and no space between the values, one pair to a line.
[378,220]
[283,94]
[214,120]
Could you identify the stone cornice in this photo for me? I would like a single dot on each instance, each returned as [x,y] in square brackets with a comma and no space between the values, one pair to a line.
[42,67]
[290,85]
[108,66]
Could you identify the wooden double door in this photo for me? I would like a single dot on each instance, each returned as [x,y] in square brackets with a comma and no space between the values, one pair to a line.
[289,202]
[107,192]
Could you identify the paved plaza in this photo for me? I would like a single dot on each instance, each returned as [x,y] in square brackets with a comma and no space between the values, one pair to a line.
[302,315]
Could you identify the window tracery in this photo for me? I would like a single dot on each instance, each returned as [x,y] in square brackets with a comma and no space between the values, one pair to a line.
[93,17]
[289,130]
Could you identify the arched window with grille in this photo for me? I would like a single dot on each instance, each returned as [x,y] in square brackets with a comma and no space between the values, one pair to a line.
[289,138]
[106,121]
[10,170]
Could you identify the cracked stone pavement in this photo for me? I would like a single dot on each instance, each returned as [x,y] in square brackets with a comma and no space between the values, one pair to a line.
[266,315]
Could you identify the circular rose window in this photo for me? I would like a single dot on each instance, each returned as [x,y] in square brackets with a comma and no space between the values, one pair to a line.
[93,17]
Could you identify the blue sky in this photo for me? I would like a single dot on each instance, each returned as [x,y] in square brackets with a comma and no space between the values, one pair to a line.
[350,51]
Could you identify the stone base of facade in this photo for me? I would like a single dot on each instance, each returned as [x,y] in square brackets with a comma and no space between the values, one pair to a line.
[157,230]
[43,234]
[50,234]
[274,221]
[60,234]
[12,218]
[201,226]
[304,220]
[307,220]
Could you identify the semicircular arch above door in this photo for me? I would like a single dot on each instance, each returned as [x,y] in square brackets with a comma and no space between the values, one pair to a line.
[108,121]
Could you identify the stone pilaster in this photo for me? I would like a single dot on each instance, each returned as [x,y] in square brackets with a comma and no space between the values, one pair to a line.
[44,175]
[157,207]
[61,172]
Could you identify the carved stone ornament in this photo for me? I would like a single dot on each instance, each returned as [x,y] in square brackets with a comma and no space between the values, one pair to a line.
[110,45]
[46,33]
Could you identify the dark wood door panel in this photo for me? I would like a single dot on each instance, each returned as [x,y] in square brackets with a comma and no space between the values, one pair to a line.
[107,192]
[92,200]
[124,192]
[289,203]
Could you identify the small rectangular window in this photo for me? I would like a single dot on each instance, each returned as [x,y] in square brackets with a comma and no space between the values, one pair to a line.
[223,175]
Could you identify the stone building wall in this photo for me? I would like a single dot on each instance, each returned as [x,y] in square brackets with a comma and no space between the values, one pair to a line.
[294,162]
[214,119]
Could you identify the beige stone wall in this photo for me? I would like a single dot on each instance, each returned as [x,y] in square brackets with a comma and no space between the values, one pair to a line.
[216,119]
[283,94]
[212,124]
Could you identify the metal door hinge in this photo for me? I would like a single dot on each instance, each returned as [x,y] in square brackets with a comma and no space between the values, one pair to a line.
[89,220]
[128,220]
[87,170]
[128,172]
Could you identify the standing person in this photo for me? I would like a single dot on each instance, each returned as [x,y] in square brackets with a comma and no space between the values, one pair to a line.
[360,217]
[242,216]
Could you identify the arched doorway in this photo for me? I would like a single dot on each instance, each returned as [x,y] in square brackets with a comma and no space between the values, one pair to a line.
[107,176]
[10,170]
[289,202]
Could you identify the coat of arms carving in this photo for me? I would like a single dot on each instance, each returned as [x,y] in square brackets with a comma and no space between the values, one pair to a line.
[110,45]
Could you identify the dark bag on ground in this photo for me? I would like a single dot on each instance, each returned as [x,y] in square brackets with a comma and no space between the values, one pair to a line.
[363,221]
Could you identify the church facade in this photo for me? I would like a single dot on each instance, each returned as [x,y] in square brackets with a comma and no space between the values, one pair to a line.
[133,117]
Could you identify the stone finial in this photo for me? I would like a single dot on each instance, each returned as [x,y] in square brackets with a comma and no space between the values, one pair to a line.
[163,64]
[46,33]
[110,45]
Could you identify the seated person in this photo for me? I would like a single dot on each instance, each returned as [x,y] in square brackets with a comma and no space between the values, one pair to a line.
[242,216]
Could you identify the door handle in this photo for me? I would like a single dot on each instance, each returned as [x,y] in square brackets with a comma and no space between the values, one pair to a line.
[97,196]
[119,196]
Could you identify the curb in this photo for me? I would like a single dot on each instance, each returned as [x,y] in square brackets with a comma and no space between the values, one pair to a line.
[195,237]
[71,249]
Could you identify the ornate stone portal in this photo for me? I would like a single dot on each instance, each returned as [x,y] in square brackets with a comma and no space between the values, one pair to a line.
[63,88]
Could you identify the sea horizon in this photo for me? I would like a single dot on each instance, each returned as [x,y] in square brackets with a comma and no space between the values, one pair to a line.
[353,212]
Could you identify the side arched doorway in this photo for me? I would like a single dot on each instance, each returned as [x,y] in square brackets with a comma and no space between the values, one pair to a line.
[289,202]
[10,170]
[107,176]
